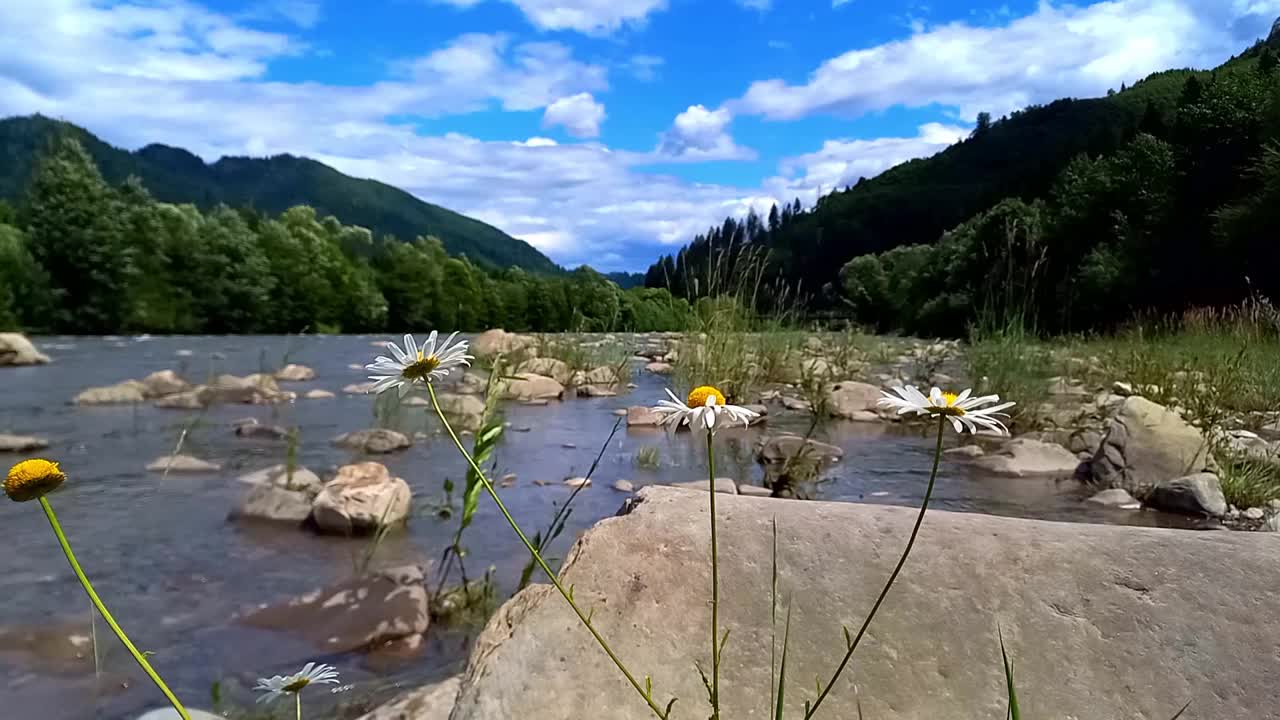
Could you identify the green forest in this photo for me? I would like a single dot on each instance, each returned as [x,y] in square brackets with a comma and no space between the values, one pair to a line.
[1073,216]
[81,255]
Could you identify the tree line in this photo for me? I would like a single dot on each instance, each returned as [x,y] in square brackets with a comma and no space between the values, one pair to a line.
[79,255]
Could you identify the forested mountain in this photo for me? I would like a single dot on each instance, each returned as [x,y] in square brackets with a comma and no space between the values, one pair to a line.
[269,185]
[1074,214]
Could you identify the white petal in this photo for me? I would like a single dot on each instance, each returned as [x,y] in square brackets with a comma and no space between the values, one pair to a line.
[955,422]
[962,396]
[398,353]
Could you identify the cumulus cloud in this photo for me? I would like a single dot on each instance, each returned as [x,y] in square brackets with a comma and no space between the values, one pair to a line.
[580,115]
[702,134]
[593,17]
[1058,50]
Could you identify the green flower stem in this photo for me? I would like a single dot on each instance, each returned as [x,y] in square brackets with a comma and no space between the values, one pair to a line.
[715,586]
[488,486]
[106,615]
[915,530]
[297,704]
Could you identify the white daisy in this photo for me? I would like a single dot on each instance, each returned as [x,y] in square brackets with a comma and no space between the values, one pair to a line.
[963,411]
[279,685]
[417,364]
[706,406]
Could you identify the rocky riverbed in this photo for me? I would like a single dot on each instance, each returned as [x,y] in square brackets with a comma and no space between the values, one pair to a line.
[220,481]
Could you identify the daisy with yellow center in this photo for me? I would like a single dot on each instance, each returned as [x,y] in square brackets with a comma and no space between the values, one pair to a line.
[31,479]
[417,363]
[964,412]
[706,407]
[280,685]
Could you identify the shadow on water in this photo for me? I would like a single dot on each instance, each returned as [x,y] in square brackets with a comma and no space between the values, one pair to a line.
[175,572]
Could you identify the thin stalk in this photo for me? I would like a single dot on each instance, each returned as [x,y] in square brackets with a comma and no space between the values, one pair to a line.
[297,704]
[915,530]
[106,615]
[488,486]
[715,585]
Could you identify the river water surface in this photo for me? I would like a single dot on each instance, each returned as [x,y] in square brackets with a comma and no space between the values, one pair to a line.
[174,571]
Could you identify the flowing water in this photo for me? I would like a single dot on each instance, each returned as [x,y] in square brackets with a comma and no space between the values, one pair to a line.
[174,570]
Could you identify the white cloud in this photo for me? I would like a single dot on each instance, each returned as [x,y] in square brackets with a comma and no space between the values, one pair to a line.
[761,5]
[1059,50]
[838,3]
[593,17]
[580,115]
[303,13]
[843,162]
[701,134]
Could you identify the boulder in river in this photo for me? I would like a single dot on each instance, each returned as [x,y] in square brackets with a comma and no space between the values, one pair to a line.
[429,702]
[356,614]
[528,386]
[1197,494]
[295,373]
[317,394]
[852,400]
[300,479]
[182,463]
[1024,457]
[377,440]
[274,504]
[465,412]
[1145,445]
[163,382]
[123,393]
[603,376]
[780,448]
[659,368]
[642,416]
[21,443]
[260,431]
[1115,497]
[1088,613]
[360,499]
[557,370]
[493,342]
[595,391]
[16,349]
[190,400]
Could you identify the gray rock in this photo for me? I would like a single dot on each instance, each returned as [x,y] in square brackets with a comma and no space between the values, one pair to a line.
[471,383]
[793,403]
[723,485]
[576,482]
[430,702]
[1063,387]
[360,613]
[1115,497]
[190,400]
[754,490]
[360,499]
[358,388]
[21,443]
[182,463]
[295,373]
[16,349]
[1254,513]
[781,448]
[127,392]
[1088,616]
[557,370]
[659,368]
[965,451]
[603,376]
[1085,440]
[1121,388]
[851,399]
[529,387]
[261,432]
[302,479]
[317,394]
[377,440]
[465,412]
[1146,444]
[595,391]
[493,342]
[1196,494]
[623,486]
[274,504]
[1024,457]
[641,416]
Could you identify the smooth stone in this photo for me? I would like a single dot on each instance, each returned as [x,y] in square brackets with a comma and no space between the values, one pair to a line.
[1023,457]
[577,482]
[1114,607]
[162,383]
[278,476]
[16,349]
[529,387]
[182,463]
[376,440]
[21,443]
[1195,494]
[595,391]
[852,400]
[965,451]
[625,486]
[659,368]
[317,394]
[358,388]
[295,373]
[781,448]
[360,499]
[497,340]
[124,393]
[1254,513]
[642,416]
[274,504]
[620,412]
[1115,497]
[557,370]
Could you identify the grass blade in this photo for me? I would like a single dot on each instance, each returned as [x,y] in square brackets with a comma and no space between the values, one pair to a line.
[1013,713]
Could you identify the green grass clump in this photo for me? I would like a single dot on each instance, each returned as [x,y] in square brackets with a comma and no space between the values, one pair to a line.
[1248,482]
[648,457]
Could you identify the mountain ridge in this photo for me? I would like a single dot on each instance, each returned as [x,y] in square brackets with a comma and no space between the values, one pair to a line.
[271,184]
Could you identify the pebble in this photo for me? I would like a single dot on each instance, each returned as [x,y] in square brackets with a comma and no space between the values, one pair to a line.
[507,480]
[1254,513]
[578,482]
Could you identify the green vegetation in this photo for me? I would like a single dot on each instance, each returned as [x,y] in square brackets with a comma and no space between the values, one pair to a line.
[82,256]
[270,185]
[1073,216]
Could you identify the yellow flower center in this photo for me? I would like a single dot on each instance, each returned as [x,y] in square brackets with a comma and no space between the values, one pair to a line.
[298,684]
[421,368]
[948,406]
[31,479]
[699,396]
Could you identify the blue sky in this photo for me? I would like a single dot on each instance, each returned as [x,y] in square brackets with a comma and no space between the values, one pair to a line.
[601,131]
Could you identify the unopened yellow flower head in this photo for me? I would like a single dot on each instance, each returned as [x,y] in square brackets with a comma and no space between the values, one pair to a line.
[698,396]
[31,479]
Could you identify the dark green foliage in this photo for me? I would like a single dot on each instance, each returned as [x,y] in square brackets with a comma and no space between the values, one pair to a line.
[271,185]
[84,257]
[1070,216]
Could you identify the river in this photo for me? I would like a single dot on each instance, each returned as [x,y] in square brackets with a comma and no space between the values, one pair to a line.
[174,570]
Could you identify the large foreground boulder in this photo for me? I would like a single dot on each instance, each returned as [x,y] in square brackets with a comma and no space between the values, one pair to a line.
[1147,444]
[16,349]
[1131,620]
[358,614]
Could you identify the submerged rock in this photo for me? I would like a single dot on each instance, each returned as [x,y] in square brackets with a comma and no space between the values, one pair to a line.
[16,349]
[317,394]
[360,499]
[1022,457]
[21,443]
[357,614]
[781,448]
[127,392]
[465,412]
[1147,444]
[162,383]
[182,463]
[659,368]
[1102,602]
[295,373]
[1115,497]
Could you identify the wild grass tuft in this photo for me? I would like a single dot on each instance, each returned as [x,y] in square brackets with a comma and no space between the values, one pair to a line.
[1249,482]
[648,457]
